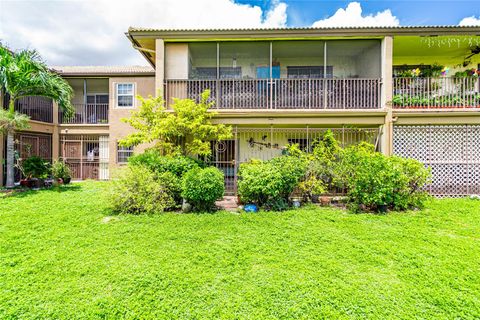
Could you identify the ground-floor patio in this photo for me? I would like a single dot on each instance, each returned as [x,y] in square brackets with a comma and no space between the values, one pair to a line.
[452,151]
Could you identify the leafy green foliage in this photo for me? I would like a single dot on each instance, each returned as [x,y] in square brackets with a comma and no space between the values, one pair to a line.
[265,182]
[370,179]
[64,256]
[24,74]
[155,161]
[400,100]
[186,129]
[60,170]
[138,190]
[374,180]
[202,187]
[35,167]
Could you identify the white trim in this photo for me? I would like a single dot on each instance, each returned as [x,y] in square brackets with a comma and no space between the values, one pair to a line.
[134,93]
[124,152]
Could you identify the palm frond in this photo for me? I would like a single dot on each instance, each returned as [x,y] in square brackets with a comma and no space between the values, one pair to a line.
[24,74]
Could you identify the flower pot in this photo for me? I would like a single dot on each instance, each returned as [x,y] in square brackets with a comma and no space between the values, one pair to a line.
[30,182]
[325,200]
[296,203]
[37,183]
[382,208]
[24,183]
[67,180]
[315,198]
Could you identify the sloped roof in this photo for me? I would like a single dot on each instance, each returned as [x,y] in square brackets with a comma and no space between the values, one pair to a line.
[103,70]
[378,28]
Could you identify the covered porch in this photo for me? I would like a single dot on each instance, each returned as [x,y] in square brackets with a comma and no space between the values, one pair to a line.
[264,143]
[436,72]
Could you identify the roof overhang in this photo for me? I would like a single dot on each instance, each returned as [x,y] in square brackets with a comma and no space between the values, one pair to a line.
[143,39]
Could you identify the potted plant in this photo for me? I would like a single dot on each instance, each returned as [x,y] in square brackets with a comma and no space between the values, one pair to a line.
[312,188]
[36,170]
[61,172]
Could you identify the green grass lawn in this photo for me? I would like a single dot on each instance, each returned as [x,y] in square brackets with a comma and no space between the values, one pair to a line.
[60,257]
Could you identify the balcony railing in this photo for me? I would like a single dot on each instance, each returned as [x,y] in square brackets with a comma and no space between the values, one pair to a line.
[37,108]
[91,113]
[315,94]
[436,93]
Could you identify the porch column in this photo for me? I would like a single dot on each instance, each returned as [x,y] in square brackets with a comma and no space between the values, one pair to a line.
[159,66]
[103,154]
[386,144]
[55,133]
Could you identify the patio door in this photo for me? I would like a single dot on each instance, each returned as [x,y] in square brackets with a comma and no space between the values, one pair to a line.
[223,157]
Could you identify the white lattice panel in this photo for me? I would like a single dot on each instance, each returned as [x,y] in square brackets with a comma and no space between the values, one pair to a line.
[411,142]
[452,151]
[447,144]
[449,179]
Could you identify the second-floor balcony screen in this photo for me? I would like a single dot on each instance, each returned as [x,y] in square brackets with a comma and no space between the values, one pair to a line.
[317,74]
[91,102]
[37,108]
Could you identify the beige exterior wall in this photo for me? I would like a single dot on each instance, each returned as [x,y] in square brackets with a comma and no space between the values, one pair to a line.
[176,61]
[144,86]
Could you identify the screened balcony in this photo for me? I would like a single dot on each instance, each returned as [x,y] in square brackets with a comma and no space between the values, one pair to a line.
[37,108]
[283,75]
[90,102]
[436,72]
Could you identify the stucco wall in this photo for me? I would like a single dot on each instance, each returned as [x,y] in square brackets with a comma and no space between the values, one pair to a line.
[144,86]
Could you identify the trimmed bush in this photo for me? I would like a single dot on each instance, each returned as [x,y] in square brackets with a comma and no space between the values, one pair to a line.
[139,190]
[153,160]
[202,187]
[374,180]
[270,183]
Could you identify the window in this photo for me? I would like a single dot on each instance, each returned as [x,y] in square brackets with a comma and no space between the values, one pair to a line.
[123,153]
[97,98]
[306,72]
[303,144]
[125,92]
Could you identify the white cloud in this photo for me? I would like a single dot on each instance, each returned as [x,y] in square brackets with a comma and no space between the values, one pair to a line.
[91,32]
[352,17]
[470,21]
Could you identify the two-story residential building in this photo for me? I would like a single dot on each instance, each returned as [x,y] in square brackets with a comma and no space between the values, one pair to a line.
[393,87]
[88,140]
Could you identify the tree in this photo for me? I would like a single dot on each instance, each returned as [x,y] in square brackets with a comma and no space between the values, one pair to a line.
[24,74]
[186,129]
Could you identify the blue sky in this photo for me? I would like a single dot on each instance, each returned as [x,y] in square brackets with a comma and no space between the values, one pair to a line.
[433,12]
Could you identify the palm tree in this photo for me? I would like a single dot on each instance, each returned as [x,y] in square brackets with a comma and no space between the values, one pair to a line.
[24,74]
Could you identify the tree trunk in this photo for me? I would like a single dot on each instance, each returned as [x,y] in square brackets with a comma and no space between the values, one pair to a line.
[10,160]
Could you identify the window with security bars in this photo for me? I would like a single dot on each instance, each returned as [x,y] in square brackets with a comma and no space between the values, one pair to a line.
[123,153]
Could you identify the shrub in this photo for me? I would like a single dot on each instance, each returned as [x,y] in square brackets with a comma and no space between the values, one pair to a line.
[266,182]
[35,167]
[153,160]
[60,170]
[139,190]
[375,180]
[202,187]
